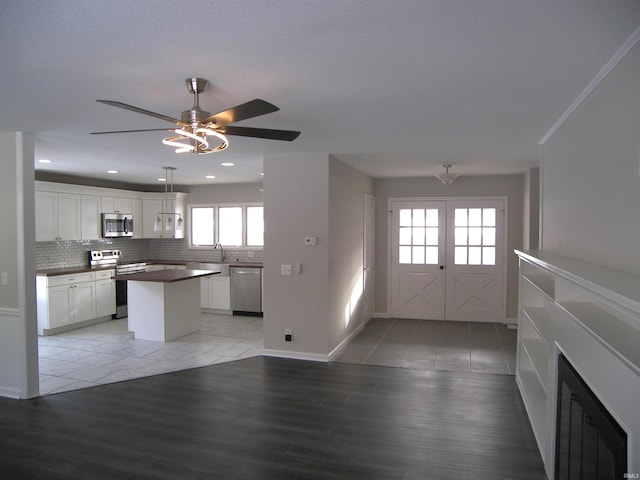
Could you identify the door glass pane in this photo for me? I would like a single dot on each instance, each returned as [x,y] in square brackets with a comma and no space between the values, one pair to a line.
[405,236]
[418,256]
[404,255]
[461,235]
[418,217]
[475,217]
[432,236]
[461,217]
[432,256]
[489,236]
[405,217]
[475,256]
[460,256]
[475,236]
[489,256]
[432,217]
[418,236]
[489,217]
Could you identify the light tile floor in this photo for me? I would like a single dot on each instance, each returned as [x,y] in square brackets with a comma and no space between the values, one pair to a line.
[435,345]
[108,353]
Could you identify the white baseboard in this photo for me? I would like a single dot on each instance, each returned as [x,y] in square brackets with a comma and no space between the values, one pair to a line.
[10,393]
[335,353]
[314,357]
[381,315]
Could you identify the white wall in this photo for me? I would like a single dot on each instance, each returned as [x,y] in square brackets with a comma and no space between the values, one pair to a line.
[510,186]
[347,187]
[590,177]
[18,339]
[224,193]
[531,209]
[296,205]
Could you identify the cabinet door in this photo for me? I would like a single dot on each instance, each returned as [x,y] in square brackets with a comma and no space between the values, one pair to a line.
[204,292]
[105,298]
[91,226]
[84,306]
[136,211]
[150,210]
[60,306]
[116,205]
[69,217]
[46,204]
[219,293]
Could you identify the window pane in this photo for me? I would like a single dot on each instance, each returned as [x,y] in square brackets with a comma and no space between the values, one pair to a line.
[460,256]
[432,217]
[230,226]
[432,256]
[405,217]
[475,217]
[432,236]
[475,256]
[461,235]
[418,217]
[489,217]
[404,255]
[418,236]
[475,236]
[255,226]
[489,236]
[461,217]
[489,256]
[418,255]
[405,236]
[202,226]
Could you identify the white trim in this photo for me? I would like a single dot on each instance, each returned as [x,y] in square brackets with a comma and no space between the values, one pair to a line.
[314,357]
[382,315]
[9,312]
[10,393]
[602,74]
[333,354]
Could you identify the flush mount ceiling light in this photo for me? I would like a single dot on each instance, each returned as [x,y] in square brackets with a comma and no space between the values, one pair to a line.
[197,127]
[446,177]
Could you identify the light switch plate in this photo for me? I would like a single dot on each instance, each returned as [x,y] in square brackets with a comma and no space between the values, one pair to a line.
[310,240]
[285,269]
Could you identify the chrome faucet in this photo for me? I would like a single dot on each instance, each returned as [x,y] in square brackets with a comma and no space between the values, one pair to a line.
[219,245]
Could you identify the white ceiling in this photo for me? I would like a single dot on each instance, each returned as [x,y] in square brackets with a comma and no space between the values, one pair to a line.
[394,88]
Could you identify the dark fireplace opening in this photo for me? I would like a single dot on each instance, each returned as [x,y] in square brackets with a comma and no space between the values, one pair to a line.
[590,444]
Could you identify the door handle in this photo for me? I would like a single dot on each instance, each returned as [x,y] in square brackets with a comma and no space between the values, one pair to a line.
[441,267]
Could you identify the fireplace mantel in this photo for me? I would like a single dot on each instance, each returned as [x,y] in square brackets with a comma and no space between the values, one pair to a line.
[591,314]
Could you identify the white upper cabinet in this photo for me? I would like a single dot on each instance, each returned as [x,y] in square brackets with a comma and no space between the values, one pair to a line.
[163,217]
[58,216]
[116,205]
[91,226]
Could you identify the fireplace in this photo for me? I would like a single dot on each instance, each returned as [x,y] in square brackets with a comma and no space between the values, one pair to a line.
[590,444]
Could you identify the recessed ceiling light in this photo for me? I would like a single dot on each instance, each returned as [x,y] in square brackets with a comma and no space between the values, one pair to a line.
[227,164]
[44,160]
[162,179]
[211,176]
[112,171]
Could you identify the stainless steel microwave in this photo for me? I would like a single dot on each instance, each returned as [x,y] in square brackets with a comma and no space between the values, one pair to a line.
[117,225]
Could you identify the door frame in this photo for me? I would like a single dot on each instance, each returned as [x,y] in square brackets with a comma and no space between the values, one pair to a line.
[505,238]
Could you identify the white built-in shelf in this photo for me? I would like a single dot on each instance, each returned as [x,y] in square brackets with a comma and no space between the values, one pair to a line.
[535,400]
[619,338]
[543,282]
[538,354]
[541,320]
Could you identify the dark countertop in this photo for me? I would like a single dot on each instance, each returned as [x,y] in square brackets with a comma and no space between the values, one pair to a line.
[51,272]
[165,276]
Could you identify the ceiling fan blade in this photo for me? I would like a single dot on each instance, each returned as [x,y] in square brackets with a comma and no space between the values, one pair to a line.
[143,111]
[268,133]
[132,131]
[253,108]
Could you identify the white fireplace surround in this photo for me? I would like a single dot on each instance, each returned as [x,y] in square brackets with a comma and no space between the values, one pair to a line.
[591,314]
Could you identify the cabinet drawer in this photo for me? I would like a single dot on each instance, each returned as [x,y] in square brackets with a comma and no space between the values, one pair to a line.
[104,274]
[70,279]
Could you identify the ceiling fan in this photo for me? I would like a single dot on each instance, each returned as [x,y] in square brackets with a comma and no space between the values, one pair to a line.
[196,125]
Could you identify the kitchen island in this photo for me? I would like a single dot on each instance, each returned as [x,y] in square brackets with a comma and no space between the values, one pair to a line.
[164,304]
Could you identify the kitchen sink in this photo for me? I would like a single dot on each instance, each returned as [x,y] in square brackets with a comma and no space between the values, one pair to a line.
[223,268]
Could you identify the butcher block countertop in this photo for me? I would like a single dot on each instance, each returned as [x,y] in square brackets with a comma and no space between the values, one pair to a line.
[165,276]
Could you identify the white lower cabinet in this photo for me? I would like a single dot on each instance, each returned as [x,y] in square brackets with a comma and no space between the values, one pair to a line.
[64,300]
[215,292]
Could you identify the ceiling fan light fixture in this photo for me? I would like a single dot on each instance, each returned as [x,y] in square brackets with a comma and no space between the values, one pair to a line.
[194,140]
[446,178]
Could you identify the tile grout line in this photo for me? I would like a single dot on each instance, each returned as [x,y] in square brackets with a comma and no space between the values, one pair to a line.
[379,341]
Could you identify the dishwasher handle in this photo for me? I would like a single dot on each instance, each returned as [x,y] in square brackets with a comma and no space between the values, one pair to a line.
[246,271]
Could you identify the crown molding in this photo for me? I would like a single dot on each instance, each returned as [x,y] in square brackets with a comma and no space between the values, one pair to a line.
[602,74]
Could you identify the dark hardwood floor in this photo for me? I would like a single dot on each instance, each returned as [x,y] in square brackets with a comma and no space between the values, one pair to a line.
[268,418]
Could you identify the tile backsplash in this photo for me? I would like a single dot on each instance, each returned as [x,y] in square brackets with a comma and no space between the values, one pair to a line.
[61,254]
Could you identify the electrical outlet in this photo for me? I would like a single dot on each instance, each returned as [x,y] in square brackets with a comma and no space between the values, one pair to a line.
[310,240]
[5,278]
[285,269]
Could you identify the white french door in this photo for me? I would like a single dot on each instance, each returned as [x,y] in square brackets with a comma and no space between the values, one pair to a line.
[447,259]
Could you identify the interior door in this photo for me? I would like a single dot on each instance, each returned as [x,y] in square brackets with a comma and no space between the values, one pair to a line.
[369,273]
[475,260]
[417,259]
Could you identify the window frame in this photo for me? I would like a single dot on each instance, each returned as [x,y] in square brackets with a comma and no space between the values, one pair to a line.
[216,227]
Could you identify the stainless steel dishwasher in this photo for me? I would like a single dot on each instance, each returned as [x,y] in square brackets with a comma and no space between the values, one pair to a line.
[246,290]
